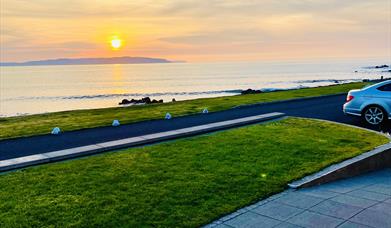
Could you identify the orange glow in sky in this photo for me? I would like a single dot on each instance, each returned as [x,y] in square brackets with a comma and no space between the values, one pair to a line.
[194,30]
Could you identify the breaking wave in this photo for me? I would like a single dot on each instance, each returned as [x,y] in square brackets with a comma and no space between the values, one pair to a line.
[287,85]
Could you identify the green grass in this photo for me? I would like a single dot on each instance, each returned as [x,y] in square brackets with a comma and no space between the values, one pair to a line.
[74,120]
[185,183]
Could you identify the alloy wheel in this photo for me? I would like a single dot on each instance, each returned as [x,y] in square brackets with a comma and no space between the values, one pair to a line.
[374,115]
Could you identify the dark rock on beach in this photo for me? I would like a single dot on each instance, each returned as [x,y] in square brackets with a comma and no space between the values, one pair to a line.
[381,66]
[145,100]
[156,101]
[250,91]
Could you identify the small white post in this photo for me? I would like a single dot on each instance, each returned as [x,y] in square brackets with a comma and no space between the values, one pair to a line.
[168,116]
[115,123]
[56,131]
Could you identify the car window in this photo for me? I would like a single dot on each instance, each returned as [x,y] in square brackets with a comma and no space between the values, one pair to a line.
[386,88]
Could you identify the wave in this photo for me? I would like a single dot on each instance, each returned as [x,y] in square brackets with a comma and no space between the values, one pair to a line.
[120,95]
[288,85]
[340,81]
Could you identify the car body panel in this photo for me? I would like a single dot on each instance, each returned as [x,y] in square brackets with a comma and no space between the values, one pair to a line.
[369,96]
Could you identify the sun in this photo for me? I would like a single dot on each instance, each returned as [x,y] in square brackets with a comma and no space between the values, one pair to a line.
[116,43]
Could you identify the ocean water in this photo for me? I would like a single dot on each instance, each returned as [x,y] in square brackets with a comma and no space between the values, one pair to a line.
[41,89]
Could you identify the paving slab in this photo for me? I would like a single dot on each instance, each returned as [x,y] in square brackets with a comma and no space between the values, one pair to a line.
[315,220]
[336,209]
[250,219]
[380,188]
[318,207]
[369,195]
[277,211]
[344,186]
[287,225]
[354,201]
[388,201]
[318,192]
[373,218]
[353,225]
[296,199]
[222,226]
[382,208]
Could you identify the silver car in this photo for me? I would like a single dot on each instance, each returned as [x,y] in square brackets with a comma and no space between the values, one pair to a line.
[372,103]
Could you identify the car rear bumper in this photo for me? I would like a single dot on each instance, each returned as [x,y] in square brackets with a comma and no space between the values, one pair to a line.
[351,111]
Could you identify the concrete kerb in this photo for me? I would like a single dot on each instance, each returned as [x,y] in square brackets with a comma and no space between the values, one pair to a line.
[376,159]
[21,162]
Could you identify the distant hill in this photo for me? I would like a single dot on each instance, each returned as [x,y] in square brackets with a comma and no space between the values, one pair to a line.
[88,61]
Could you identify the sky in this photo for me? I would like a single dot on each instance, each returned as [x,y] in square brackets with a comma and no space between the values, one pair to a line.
[195,30]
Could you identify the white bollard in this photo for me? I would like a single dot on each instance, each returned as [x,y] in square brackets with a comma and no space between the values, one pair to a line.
[205,111]
[115,123]
[56,131]
[168,116]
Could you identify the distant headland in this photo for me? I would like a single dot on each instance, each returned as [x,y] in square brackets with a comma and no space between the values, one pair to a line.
[90,61]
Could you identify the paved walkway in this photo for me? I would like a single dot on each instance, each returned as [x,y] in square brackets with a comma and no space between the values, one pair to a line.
[363,201]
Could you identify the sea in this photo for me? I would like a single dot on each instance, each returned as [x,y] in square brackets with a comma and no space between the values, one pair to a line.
[30,90]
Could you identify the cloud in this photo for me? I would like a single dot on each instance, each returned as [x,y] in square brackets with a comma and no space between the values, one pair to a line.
[172,27]
[231,36]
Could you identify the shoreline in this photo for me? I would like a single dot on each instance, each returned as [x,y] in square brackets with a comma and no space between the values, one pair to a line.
[219,94]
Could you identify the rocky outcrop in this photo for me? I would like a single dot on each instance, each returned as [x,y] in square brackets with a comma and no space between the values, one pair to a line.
[381,66]
[145,100]
[250,91]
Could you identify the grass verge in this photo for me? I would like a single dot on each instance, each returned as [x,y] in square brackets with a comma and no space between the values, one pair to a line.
[22,126]
[187,182]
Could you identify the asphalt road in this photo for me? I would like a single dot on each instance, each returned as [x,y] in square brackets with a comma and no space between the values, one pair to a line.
[327,108]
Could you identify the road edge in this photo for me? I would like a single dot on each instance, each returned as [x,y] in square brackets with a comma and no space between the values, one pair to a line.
[196,114]
[21,162]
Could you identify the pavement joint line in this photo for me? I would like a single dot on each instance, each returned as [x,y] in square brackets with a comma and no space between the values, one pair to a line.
[363,209]
[20,162]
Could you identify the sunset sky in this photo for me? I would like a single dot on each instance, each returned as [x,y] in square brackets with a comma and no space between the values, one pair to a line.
[195,30]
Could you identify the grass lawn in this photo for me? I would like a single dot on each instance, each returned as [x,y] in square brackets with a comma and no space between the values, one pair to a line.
[74,120]
[186,183]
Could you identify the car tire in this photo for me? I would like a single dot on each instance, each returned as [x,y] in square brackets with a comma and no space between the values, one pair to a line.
[374,115]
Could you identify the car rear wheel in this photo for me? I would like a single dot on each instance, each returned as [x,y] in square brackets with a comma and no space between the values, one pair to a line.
[374,115]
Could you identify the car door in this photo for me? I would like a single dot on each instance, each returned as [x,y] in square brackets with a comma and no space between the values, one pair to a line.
[384,93]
